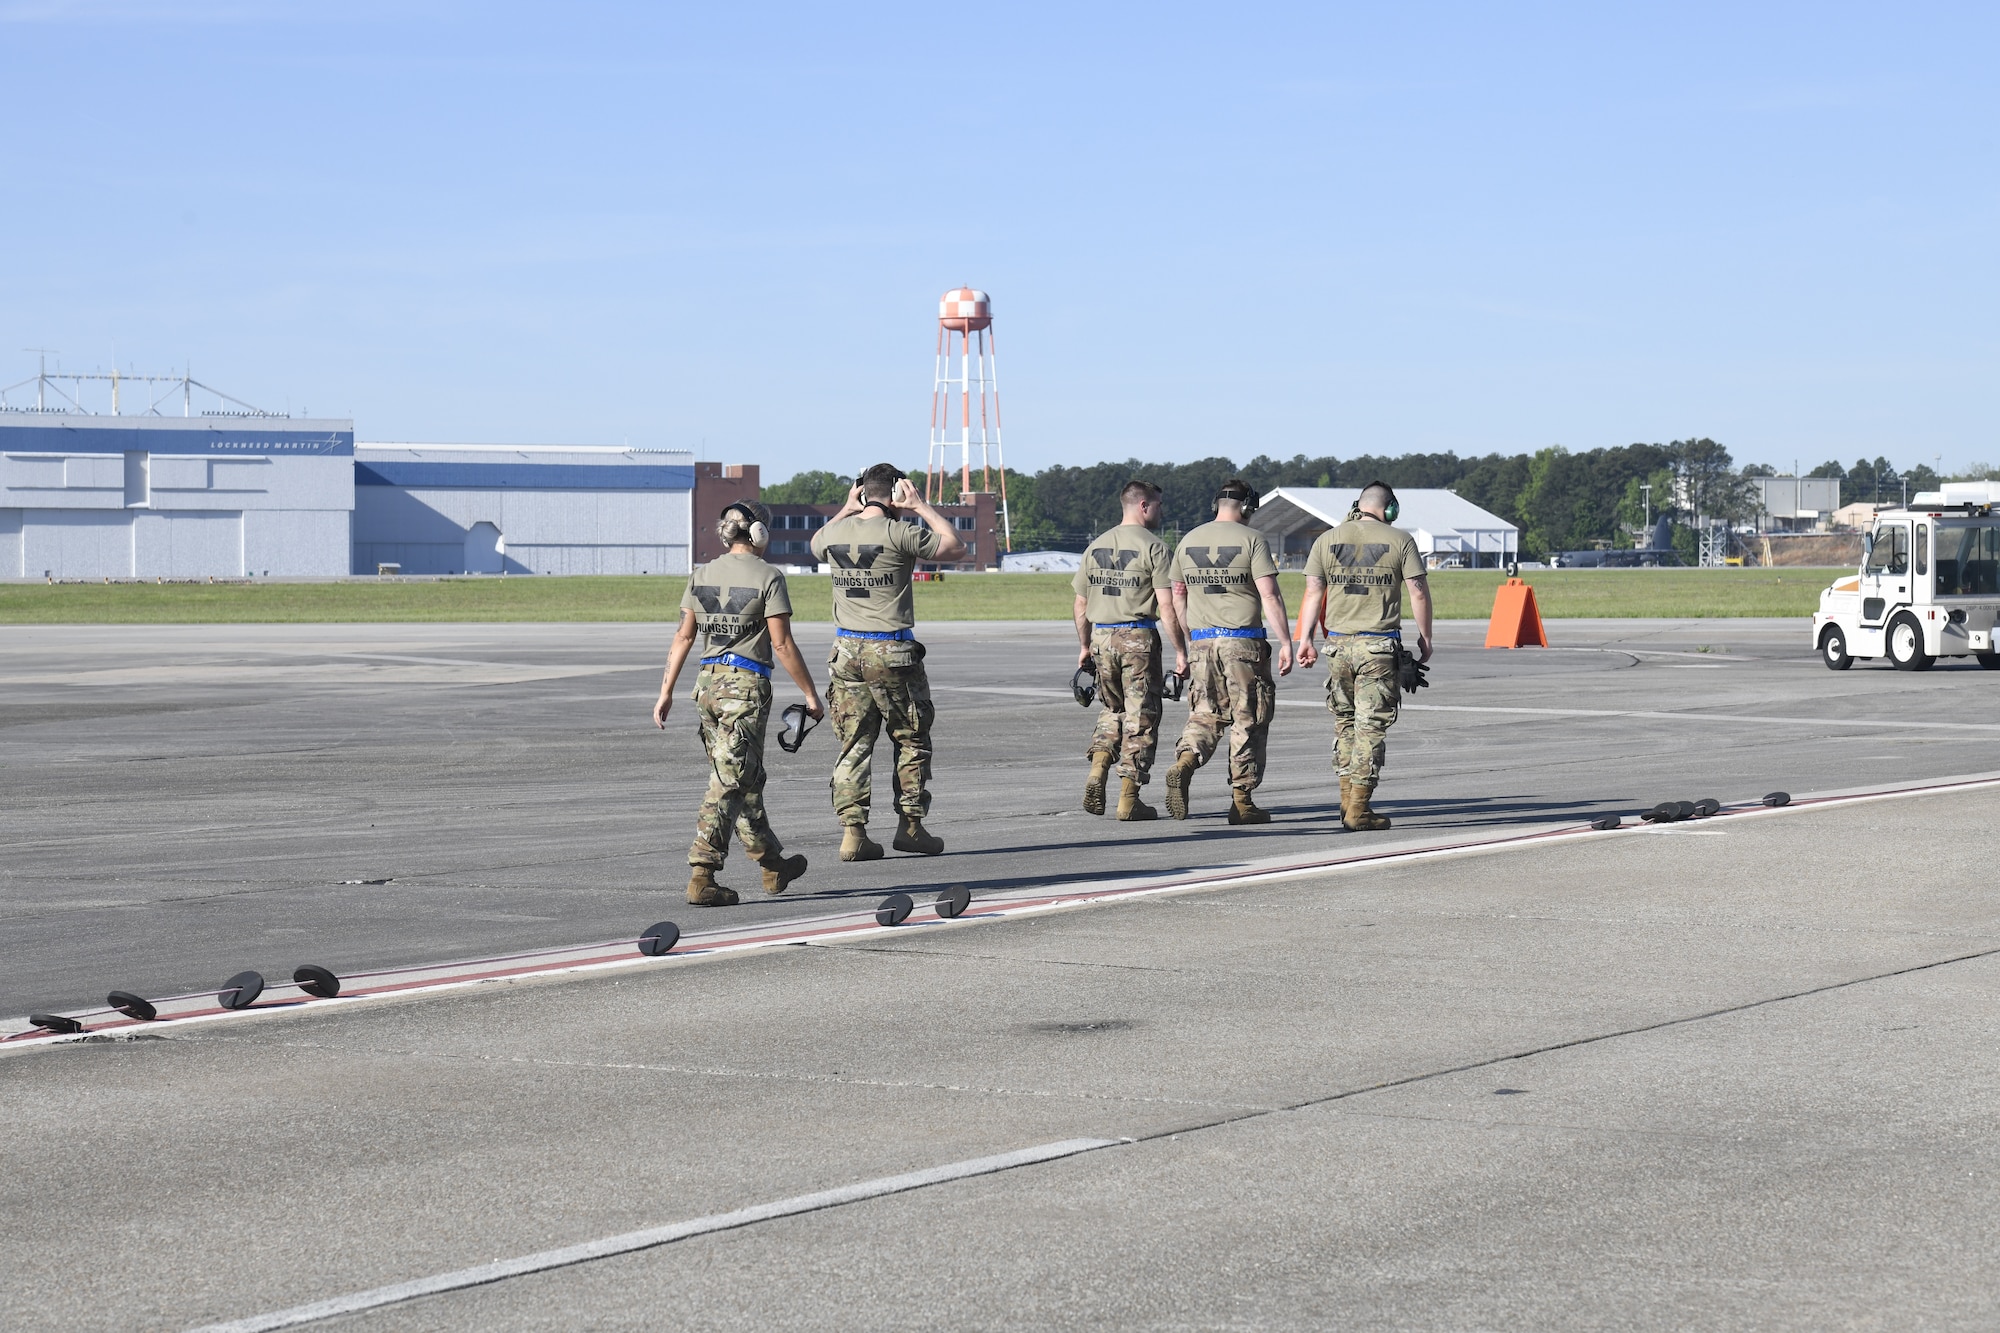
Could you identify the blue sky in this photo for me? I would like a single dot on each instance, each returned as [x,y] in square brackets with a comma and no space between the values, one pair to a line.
[1320,229]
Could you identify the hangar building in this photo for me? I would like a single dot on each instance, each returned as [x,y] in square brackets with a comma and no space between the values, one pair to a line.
[88,496]
[521,509]
[1451,533]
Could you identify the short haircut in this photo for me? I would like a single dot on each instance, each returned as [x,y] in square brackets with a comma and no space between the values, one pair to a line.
[1236,491]
[1377,495]
[879,482]
[1138,492]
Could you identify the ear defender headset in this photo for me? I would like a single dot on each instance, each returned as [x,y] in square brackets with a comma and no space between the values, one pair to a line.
[1393,507]
[1241,493]
[760,535]
[883,505]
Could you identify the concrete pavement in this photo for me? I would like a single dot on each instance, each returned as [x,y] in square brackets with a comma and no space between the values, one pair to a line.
[1724,1075]
[188,801]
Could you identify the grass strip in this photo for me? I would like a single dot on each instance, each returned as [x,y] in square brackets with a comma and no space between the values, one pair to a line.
[1459,595]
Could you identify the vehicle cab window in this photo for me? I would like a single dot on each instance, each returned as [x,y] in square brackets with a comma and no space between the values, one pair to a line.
[1968,561]
[1891,553]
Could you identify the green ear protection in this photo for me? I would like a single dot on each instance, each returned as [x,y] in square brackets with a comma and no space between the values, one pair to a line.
[1389,510]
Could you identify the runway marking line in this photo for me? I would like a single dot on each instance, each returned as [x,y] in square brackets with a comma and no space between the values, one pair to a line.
[420,979]
[1648,715]
[652,1237]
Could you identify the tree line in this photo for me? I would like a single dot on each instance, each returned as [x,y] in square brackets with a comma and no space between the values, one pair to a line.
[1562,500]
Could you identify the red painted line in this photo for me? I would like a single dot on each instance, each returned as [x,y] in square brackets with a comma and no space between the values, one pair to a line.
[576,957]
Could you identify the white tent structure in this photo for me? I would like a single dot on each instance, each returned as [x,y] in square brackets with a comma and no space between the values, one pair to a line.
[1451,533]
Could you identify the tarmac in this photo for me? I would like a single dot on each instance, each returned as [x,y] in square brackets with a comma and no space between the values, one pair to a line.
[1734,1073]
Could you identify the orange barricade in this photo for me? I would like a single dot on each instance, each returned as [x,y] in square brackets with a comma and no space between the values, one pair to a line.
[1516,622]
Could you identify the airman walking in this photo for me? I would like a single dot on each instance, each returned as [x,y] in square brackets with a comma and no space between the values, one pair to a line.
[1226,594]
[1120,617]
[739,606]
[877,675]
[1355,576]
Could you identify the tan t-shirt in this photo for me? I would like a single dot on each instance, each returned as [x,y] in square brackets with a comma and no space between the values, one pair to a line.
[872,556]
[1364,563]
[1122,575]
[731,597]
[1221,563]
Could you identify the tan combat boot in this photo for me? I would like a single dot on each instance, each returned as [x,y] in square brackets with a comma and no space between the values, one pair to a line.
[910,837]
[1093,786]
[1242,810]
[1130,807]
[1344,784]
[1355,812]
[703,891]
[856,845]
[1178,778]
[780,871]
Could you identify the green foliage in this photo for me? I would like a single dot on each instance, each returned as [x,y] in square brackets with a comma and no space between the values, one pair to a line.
[1706,485]
[1872,483]
[1562,500]
[809,488]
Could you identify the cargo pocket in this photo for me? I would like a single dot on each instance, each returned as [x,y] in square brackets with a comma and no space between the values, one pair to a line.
[1266,702]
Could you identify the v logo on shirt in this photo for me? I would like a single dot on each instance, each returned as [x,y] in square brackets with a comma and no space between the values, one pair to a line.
[854,557]
[711,600]
[1370,553]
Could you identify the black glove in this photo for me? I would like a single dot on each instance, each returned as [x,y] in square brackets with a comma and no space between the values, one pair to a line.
[1410,672]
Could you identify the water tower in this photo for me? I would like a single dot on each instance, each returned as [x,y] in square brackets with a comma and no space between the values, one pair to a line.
[967,314]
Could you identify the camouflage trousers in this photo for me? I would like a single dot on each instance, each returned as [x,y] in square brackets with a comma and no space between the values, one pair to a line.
[1230,686]
[875,684]
[1362,691]
[733,707]
[1128,684]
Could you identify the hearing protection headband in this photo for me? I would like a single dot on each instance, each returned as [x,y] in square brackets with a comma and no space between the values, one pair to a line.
[760,535]
[1240,494]
[1390,509]
[883,505]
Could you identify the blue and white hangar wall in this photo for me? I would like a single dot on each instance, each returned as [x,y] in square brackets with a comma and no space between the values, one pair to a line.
[85,496]
[521,509]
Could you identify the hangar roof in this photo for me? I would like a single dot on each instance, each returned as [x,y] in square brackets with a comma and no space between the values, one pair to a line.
[1440,519]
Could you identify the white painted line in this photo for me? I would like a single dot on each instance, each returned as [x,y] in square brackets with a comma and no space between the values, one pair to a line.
[1897,724]
[501,1269]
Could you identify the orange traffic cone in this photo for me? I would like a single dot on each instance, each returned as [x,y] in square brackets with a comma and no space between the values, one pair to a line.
[1516,622]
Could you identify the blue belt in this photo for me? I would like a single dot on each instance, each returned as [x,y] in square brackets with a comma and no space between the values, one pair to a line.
[1395,634]
[1257,633]
[897,636]
[1145,623]
[735,660]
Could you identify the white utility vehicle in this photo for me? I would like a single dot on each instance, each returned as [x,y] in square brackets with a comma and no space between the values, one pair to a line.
[1928,587]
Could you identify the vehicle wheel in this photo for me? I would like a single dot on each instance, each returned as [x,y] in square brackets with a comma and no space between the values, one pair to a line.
[1906,645]
[1833,649]
[1991,661]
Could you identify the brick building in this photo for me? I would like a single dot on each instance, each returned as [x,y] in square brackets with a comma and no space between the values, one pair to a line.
[792,525]
[977,522]
[716,485]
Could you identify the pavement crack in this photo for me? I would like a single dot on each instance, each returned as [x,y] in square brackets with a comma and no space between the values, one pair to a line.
[1573,1043]
[988,957]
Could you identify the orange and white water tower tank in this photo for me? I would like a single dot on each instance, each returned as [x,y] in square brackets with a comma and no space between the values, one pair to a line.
[965,404]
[965,310]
